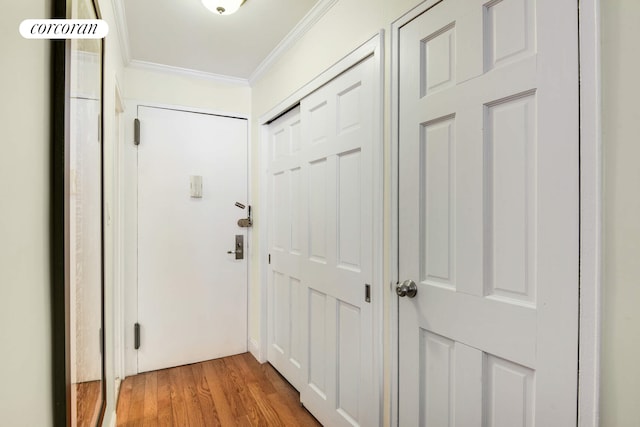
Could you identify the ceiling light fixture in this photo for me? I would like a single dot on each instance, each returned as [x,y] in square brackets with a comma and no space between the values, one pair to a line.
[223,7]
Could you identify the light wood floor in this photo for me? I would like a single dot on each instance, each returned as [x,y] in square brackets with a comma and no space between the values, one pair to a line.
[88,400]
[233,391]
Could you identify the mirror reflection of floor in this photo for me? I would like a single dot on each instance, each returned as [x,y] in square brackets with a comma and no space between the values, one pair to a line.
[87,403]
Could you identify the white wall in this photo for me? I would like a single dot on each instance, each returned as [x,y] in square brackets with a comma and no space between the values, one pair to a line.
[621,145]
[183,90]
[25,315]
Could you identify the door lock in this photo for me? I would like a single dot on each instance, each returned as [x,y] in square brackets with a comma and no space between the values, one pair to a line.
[239,249]
[245,222]
[408,288]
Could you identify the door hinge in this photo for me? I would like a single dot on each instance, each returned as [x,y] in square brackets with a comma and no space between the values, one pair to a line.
[367,292]
[136,131]
[136,336]
[269,258]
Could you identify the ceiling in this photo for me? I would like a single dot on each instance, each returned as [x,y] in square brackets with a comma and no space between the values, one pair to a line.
[184,34]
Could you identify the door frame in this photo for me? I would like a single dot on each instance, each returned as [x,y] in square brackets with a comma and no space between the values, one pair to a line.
[590,208]
[374,47]
[118,253]
[130,219]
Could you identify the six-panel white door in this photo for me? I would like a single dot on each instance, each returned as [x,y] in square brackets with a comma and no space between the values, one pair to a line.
[321,249]
[192,294]
[488,214]
[287,307]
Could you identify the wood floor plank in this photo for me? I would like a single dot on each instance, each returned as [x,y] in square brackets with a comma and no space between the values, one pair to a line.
[151,400]
[87,403]
[285,394]
[124,401]
[136,410]
[228,392]
[226,413]
[251,369]
[190,390]
[280,384]
[264,405]
[165,411]
[209,411]
[282,407]
[243,421]
[253,413]
[229,388]
[178,405]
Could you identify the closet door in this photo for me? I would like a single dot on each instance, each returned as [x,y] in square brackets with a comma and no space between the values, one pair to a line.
[337,123]
[286,291]
[321,270]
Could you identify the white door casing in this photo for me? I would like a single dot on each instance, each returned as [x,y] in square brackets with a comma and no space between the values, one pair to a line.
[192,294]
[321,193]
[489,214]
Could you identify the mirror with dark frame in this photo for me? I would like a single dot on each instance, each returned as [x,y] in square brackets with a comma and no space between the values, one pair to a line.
[77,194]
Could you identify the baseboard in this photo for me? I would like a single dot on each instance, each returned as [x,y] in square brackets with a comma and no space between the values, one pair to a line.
[254,349]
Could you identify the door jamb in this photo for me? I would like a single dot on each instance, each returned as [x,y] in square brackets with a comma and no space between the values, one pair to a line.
[590,208]
[118,321]
[374,47]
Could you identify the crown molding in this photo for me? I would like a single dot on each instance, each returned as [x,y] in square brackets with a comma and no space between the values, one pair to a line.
[305,24]
[123,32]
[186,72]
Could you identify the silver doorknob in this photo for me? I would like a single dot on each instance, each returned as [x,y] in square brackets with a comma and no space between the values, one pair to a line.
[408,288]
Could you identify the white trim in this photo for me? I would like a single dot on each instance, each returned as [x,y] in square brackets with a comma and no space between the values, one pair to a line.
[301,28]
[590,214]
[263,261]
[590,209]
[254,349]
[123,31]
[249,247]
[119,98]
[374,47]
[119,306]
[365,50]
[187,72]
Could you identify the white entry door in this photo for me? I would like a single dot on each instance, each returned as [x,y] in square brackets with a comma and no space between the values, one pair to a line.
[488,214]
[192,294]
[321,246]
